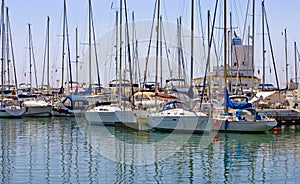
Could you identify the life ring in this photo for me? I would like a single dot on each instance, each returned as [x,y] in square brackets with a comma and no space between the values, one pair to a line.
[59,107]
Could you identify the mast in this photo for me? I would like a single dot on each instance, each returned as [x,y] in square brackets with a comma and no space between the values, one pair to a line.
[179,45]
[271,47]
[208,63]
[208,37]
[192,43]
[31,58]
[77,56]
[286,58]
[29,55]
[161,60]
[95,47]
[225,51]
[253,36]
[134,68]
[48,55]
[90,44]
[69,66]
[120,53]
[63,49]
[296,80]
[129,55]
[157,45]
[7,49]
[263,46]
[3,51]
[12,51]
[117,41]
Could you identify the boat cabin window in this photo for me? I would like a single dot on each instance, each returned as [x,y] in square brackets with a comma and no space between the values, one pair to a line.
[173,106]
[68,102]
[169,106]
[78,105]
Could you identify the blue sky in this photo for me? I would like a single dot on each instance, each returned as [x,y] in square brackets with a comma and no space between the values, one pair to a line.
[281,15]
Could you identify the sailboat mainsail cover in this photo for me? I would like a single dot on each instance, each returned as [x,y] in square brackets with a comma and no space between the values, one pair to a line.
[187,91]
[231,104]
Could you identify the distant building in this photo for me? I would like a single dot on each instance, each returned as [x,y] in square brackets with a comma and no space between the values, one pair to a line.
[239,72]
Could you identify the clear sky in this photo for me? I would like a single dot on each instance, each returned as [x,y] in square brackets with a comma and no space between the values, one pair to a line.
[280,14]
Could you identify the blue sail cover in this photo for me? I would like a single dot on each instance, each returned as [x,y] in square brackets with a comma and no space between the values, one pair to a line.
[231,104]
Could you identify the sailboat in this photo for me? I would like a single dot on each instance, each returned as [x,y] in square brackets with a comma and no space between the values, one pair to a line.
[105,111]
[174,115]
[272,101]
[35,104]
[241,117]
[238,115]
[119,110]
[9,105]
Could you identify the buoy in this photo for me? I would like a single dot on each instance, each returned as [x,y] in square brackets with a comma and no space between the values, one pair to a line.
[217,138]
[216,124]
[275,130]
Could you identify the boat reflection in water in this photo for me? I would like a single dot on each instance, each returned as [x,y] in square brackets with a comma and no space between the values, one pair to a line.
[147,147]
[70,150]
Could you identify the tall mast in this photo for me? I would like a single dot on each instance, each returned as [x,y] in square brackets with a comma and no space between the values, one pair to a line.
[157,45]
[263,45]
[63,48]
[3,50]
[208,56]
[46,65]
[48,54]
[117,41]
[296,75]
[120,47]
[12,51]
[134,68]
[29,55]
[286,58]
[129,54]
[253,36]
[90,44]
[179,45]
[161,61]
[225,50]
[77,56]
[7,48]
[192,43]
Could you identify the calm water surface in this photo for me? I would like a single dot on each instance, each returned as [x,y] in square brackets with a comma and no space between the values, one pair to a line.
[68,150]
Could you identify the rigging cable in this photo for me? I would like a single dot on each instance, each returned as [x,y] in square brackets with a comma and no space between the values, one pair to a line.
[209,47]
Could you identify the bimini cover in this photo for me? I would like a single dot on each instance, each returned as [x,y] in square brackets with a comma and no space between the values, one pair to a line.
[231,104]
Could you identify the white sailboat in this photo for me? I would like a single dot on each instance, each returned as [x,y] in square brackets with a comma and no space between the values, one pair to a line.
[175,117]
[10,108]
[36,106]
[104,113]
[241,117]
[238,114]
[9,105]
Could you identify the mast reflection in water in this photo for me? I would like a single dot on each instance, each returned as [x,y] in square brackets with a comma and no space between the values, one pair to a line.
[63,151]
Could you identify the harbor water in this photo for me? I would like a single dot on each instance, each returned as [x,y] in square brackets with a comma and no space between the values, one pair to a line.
[69,150]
